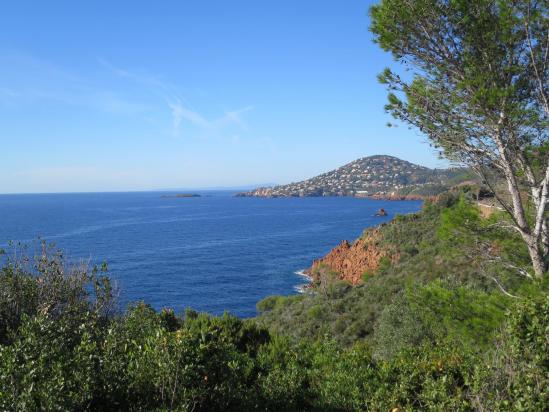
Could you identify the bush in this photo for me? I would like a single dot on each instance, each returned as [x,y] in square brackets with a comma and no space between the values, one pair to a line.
[268,304]
[52,364]
[422,334]
[516,376]
[52,320]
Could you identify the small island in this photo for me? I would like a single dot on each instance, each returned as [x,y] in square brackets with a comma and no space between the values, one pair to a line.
[181,195]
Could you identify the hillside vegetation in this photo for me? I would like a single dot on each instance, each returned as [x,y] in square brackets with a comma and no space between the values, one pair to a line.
[438,249]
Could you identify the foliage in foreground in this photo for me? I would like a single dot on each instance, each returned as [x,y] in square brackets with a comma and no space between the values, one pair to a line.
[62,348]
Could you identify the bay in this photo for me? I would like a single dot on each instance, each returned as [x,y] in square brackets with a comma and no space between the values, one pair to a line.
[213,253]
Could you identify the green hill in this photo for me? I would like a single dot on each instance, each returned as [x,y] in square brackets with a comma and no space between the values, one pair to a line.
[379,176]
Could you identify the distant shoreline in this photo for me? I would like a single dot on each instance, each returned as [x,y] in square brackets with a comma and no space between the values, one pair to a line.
[369,197]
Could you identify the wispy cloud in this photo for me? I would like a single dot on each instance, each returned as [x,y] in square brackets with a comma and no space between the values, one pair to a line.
[235,117]
[181,111]
[25,79]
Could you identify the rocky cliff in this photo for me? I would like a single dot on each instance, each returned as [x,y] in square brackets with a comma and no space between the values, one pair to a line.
[351,261]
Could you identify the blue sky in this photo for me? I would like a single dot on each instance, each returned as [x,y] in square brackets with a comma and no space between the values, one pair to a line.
[138,95]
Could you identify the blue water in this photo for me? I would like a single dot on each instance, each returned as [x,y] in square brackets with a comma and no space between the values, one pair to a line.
[212,253]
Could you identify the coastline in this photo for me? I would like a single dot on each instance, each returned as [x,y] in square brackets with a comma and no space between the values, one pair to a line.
[392,197]
[304,287]
[349,261]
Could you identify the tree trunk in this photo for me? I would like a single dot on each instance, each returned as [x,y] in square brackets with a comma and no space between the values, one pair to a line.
[545,237]
[537,255]
[532,236]
[537,260]
[536,249]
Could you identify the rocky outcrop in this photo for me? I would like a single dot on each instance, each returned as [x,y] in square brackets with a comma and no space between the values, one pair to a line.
[381,212]
[350,261]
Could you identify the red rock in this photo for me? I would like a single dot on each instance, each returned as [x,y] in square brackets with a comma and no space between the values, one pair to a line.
[350,261]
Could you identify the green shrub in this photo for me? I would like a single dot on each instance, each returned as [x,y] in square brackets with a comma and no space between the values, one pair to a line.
[515,377]
[52,364]
[268,304]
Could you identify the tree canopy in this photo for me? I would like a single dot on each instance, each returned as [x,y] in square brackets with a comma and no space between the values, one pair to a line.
[476,83]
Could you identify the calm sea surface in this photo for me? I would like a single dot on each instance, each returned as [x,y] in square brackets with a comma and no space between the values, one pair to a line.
[212,253]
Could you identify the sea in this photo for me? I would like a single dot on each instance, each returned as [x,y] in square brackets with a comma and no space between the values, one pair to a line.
[212,253]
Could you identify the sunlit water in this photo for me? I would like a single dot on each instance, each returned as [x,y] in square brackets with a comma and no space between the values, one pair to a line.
[212,253]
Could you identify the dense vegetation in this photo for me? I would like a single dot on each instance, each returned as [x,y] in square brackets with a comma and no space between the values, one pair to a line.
[428,333]
[459,322]
[441,251]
